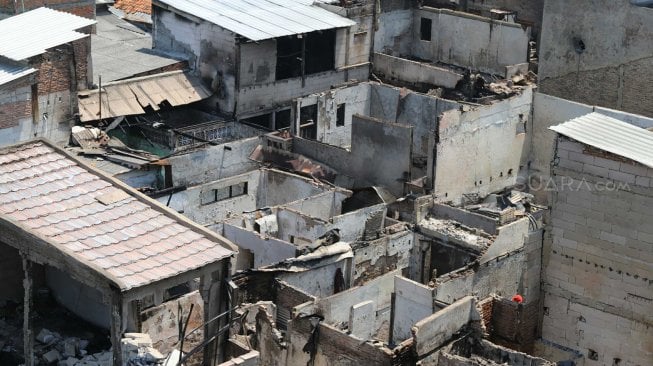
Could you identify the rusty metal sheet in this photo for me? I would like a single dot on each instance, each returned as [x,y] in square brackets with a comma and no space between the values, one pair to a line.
[132,96]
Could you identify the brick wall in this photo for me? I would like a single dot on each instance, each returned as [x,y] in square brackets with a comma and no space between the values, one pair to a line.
[484,308]
[515,325]
[15,103]
[84,8]
[134,6]
[598,280]
[55,67]
[63,71]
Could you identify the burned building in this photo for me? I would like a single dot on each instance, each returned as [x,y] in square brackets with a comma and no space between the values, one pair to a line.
[46,105]
[100,247]
[255,71]
[331,183]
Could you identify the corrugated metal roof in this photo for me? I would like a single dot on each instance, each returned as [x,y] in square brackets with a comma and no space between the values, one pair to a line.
[130,97]
[91,218]
[11,71]
[262,19]
[611,135]
[33,32]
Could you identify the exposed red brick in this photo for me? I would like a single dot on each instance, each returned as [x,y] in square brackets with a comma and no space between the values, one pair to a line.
[11,113]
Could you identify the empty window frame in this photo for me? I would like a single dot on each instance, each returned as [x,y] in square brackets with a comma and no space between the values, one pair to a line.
[306,54]
[340,115]
[425,27]
[224,193]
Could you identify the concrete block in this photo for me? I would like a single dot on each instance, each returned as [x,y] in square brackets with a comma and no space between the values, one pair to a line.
[607,163]
[581,158]
[617,239]
[362,319]
[643,181]
[596,170]
[51,356]
[621,176]
[634,168]
[571,165]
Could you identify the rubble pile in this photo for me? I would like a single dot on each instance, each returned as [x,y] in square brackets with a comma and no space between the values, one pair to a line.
[51,348]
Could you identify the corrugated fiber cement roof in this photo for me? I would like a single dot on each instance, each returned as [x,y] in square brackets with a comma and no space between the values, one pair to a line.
[32,33]
[611,135]
[262,19]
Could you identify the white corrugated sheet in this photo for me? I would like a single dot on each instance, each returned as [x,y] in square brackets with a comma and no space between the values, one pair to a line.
[611,135]
[32,33]
[262,19]
[10,72]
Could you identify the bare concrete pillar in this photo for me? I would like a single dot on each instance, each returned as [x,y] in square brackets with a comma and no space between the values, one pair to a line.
[211,289]
[28,334]
[116,326]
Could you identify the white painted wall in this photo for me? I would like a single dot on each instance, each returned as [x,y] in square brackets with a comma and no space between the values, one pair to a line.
[266,250]
[470,40]
[413,302]
[82,300]
[356,99]
[480,148]
[213,162]
[190,200]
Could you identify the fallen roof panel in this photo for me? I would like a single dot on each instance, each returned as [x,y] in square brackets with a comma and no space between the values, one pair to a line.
[33,32]
[611,135]
[262,19]
[99,222]
[132,96]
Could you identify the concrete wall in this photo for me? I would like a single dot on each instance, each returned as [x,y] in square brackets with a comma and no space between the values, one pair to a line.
[470,40]
[213,162]
[353,44]
[16,121]
[502,276]
[374,258]
[372,141]
[597,284]
[614,69]
[353,225]
[413,72]
[160,322]
[266,250]
[211,52]
[335,309]
[298,227]
[11,275]
[82,300]
[318,281]
[266,96]
[394,33]
[435,330]
[528,12]
[258,62]
[480,148]
[195,207]
[322,205]
[279,188]
[356,100]
[413,302]
[509,238]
